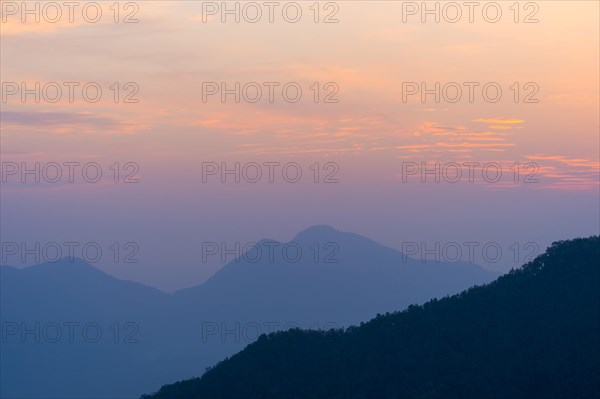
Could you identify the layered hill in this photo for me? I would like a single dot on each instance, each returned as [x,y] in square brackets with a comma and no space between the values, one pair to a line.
[78,332]
[533,333]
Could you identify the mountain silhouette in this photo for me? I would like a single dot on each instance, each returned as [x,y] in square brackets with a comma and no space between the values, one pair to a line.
[533,333]
[338,277]
[63,321]
[149,338]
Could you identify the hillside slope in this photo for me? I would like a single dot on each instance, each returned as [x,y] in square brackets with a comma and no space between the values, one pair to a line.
[533,333]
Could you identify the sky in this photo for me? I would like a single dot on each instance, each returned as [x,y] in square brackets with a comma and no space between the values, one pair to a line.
[369,116]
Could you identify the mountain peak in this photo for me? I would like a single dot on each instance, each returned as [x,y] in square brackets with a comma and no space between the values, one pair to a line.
[318,232]
[66,262]
[319,228]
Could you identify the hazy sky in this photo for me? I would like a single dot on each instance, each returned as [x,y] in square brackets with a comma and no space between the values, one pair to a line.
[369,134]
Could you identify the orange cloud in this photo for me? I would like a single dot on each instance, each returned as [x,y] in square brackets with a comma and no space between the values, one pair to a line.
[500,121]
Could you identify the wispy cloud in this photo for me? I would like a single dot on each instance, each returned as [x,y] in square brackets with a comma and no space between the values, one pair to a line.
[66,122]
[500,121]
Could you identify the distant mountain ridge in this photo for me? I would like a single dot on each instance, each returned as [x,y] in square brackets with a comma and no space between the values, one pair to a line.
[340,278]
[533,333]
[163,337]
